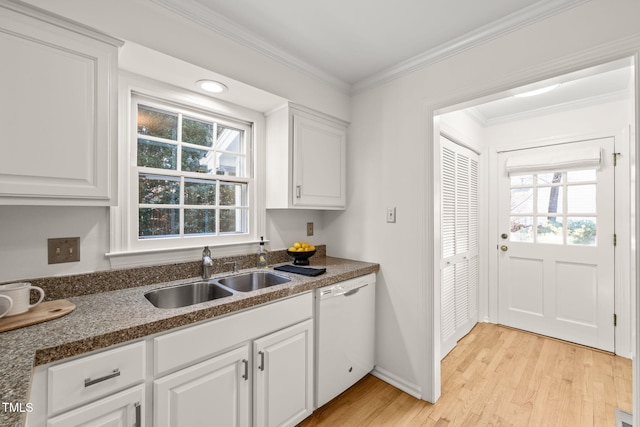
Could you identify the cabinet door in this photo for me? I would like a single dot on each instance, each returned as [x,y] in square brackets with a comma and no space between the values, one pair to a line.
[57,112]
[122,409]
[283,366]
[214,392]
[319,164]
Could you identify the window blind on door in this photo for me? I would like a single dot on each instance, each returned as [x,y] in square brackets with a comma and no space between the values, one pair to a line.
[551,159]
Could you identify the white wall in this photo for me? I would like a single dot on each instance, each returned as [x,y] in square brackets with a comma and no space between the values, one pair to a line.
[286,226]
[388,163]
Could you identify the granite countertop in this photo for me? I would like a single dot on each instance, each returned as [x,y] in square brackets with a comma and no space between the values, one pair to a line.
[104,319]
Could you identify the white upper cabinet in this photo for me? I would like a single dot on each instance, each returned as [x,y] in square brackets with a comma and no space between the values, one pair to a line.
[57,111]
[306,160]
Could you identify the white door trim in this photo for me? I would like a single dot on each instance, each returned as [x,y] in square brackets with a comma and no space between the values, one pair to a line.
[429,327]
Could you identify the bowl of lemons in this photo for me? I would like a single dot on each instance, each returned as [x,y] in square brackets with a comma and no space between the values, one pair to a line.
[301,252]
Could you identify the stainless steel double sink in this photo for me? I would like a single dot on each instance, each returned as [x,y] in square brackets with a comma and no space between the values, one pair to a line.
[203,291]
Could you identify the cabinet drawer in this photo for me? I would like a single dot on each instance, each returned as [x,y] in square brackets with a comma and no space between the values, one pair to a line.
[82,380]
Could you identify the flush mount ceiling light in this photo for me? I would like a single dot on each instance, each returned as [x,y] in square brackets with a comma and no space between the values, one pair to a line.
[212,86]
[537,91]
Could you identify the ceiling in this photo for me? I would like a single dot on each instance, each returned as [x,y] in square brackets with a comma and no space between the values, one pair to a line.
[357,43]
[602,83]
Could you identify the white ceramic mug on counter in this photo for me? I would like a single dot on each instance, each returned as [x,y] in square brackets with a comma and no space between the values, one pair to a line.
[5,301]
[19,294]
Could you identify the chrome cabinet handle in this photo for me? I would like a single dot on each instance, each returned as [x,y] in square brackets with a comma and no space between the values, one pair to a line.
[298,190]
[261,366]
[138,414]
[245,376]
[88,381]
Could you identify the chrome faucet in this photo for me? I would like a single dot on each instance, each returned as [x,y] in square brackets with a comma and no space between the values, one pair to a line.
[207,263]
[235,265]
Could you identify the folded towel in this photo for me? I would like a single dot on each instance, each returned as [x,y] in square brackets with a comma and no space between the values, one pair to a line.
[307,271]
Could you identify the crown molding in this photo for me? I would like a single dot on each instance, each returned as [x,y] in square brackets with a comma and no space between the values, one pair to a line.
[486,33]
[196,12]
[202,15]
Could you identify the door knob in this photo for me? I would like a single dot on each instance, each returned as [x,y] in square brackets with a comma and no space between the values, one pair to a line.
[504,248]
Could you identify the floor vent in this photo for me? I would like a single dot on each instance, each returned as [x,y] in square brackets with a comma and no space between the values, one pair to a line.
[623,418]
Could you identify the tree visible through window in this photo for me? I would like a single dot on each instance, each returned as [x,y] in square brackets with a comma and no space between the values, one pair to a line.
[554,208]
[193,173]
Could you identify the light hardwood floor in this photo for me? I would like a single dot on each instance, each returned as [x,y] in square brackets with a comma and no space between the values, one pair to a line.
[497,376]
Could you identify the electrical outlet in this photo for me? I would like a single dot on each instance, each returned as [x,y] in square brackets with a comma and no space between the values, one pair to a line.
[309,229]
[65,249]
[391,214]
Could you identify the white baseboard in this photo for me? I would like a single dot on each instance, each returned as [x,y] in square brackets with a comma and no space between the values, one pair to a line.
[400,383]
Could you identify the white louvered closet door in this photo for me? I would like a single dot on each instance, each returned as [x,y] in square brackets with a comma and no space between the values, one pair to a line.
[459,231]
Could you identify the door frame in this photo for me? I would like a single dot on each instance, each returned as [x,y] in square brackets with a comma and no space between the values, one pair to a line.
[429,322]
[622,222]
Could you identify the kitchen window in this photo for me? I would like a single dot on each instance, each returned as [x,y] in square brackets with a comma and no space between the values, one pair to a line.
[188,175]
[192,173]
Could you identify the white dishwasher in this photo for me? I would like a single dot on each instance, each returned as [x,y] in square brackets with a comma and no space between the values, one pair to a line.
[345,326]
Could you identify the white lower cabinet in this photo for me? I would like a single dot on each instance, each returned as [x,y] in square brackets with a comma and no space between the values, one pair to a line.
[284,376]
[218,391]
[252,368]
[212,392]
[122,409]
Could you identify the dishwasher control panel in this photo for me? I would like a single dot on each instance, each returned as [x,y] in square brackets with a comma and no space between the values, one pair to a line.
[347,286]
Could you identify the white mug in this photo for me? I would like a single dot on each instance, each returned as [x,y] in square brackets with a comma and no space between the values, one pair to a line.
[10,301]
[19,294]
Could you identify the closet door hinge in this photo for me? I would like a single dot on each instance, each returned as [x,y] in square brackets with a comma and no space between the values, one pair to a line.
[615,239]
[615,319]
[615,158]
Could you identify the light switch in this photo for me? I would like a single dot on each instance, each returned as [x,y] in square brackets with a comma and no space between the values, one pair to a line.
[391,214]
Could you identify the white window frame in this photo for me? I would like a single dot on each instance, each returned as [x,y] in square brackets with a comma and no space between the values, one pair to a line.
[126,249]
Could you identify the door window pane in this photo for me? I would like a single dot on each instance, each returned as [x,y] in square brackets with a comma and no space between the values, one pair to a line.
[581,199]
[521,229]
[581,176]
[549,178]
[521,180]
[522,200]
[550,200]
[581,231]
[550,230]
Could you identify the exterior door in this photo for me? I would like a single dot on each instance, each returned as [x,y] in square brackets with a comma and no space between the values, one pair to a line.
[556,247]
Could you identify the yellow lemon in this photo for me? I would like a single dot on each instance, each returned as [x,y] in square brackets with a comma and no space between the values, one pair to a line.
[312,248]
[292,249]
[297,245]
